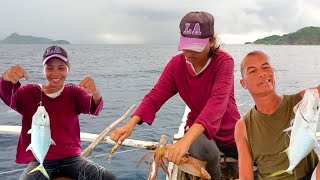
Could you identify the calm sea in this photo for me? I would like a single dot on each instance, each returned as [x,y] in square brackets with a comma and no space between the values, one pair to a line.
[124,74]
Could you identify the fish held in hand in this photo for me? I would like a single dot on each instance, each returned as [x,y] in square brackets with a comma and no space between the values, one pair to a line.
[40,138]
[187,164]
[113,150]
[156,159]
[194,167]
[303,130]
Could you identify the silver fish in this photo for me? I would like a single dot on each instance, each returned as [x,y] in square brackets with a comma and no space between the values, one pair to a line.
[303,130]
[40,138]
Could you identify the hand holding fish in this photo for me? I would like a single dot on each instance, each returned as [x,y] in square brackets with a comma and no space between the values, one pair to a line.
[14,74]
[187,164]
[125,131]
[176,151]
[303,130]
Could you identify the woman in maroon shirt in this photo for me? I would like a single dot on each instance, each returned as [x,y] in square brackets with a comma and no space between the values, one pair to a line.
[203,77]
[64,104]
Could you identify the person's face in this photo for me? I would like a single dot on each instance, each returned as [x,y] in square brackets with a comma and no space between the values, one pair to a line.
[55,71]
[258,74]
[198,57]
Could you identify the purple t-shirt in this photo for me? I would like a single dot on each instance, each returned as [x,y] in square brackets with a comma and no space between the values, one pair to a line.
[63,113]
[209,95]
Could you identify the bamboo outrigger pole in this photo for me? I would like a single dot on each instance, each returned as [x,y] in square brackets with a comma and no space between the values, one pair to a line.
[104,133]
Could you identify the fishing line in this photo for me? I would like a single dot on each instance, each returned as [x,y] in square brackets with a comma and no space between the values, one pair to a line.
[118,152]
[8,172]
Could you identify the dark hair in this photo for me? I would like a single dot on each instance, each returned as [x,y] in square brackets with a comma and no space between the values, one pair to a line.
[253,53]
[215,48]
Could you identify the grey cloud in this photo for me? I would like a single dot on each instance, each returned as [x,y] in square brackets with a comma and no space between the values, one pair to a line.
[142,21]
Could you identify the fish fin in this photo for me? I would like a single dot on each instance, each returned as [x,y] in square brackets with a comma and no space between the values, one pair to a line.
[30,131]
[295,108]
[278,173]
[29,147]
[41,169]
[316,144]
[144,157]
[288,129]
[285,151]
[52,142]
[205,174]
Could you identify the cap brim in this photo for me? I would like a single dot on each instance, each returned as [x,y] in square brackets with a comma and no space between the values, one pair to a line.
[193,44]
[64,59]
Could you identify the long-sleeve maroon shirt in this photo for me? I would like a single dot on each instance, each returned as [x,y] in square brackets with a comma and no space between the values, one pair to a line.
[209,95]
[63,113]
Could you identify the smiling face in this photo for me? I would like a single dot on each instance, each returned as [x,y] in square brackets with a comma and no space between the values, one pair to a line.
[258,76]
[55,71]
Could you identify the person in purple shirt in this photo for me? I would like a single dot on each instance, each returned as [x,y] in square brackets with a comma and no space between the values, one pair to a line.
[203,75]
[64,104]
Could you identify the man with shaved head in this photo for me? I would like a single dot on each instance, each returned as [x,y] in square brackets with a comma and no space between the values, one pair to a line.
[259,133]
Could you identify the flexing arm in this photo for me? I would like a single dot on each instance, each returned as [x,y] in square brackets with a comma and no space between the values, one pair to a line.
[9,85]
[14,74]
[245,158]
[90,87]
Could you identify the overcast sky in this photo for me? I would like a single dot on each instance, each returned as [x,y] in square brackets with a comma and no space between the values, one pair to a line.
[152,21]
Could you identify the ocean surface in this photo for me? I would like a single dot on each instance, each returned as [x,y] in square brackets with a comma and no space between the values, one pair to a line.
[124,75]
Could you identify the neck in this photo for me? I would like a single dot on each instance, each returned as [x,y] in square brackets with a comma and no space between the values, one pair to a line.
[200,65]
[268,104]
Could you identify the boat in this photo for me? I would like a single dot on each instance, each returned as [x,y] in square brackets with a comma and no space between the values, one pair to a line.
[176,173]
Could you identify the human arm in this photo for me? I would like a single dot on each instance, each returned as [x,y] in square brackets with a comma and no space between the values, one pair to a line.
[90,87]
[152,102]
[120,134]
[302,92]
[9,84]
[14,74]
[245,159]
[220,97]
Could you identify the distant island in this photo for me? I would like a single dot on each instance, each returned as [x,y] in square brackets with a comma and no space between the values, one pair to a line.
[305,36]
[19,39]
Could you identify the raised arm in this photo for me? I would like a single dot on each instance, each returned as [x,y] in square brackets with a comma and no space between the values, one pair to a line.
[245,158]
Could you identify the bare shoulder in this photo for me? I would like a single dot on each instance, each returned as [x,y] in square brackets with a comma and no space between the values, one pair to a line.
[302,92]
[240,129]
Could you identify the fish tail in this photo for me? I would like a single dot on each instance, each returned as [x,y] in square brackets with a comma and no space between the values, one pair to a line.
[41,169]
[277,173]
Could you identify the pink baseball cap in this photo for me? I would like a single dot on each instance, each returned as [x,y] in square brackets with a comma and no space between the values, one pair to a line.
[196,28]
[55,52]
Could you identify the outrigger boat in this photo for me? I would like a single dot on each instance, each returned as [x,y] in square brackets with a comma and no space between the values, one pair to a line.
[176,174]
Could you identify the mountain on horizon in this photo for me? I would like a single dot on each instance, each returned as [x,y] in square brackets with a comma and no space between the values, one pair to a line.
[15,38]
[304,36]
